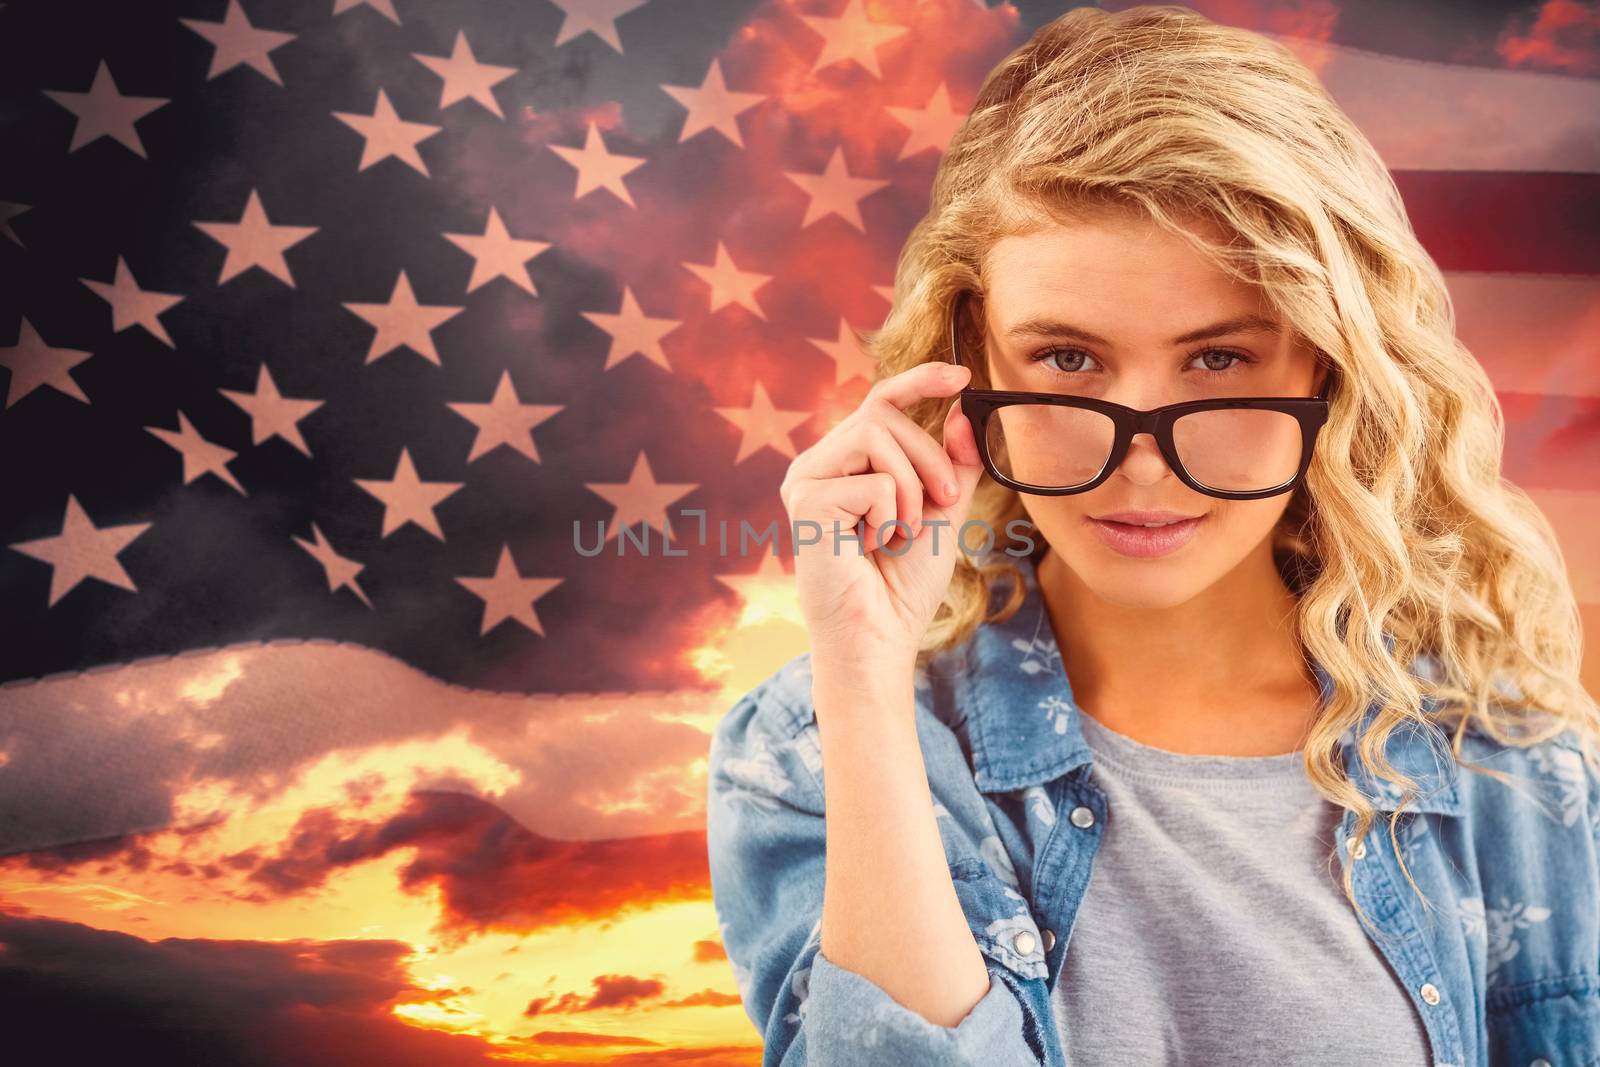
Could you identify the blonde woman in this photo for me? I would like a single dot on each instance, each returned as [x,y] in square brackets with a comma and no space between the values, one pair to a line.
[1243,725]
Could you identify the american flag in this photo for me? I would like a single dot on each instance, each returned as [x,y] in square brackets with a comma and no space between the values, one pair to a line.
[338,333]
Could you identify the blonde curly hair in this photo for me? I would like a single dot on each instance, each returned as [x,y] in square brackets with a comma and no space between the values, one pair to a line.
[1403,526]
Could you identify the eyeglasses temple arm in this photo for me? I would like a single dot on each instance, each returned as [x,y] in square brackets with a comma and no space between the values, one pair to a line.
[955,320]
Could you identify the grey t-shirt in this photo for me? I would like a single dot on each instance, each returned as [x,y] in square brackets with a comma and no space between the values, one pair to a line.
[1214,929]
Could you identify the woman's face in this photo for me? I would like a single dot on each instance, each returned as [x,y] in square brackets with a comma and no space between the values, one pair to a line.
[1120,309]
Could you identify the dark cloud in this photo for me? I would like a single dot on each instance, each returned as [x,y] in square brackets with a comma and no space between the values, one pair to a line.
[74,994]
[610,991]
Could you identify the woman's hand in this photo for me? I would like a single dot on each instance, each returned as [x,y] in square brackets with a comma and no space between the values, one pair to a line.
[864,606]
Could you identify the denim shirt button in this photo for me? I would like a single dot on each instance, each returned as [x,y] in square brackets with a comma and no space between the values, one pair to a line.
[1023,943]
[1430,992]
[1082,817]
[1356,847]
[1050,943]
[1540,1062]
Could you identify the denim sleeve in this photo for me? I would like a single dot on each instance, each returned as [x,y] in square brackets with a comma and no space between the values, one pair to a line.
[765,838]
[1594,809]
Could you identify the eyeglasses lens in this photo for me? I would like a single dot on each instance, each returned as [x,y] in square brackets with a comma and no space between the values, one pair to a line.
[1050,446]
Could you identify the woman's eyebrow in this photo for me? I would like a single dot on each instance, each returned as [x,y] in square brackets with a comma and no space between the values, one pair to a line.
[1047,327]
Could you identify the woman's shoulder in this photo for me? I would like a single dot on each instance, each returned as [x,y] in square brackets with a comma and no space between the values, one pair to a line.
[1532,786]
[765,748]
[779,705]
[1543,786]
[774,723]
[1522,861]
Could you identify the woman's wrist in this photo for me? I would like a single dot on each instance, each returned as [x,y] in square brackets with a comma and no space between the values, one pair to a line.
[863,674]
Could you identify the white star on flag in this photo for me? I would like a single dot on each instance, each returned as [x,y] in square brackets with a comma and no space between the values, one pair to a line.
[597,167]
[598,17]
[508,595]
[254,241]
[633,332]
[235,41]
[33,363]
[729,284]
[465,78]
[850,360]
[383,7]
[407,498]
[496,254]
[83,550]
[339,570]
[713,106]
[931,126]
[104,112]
[387,134]
[133,306]
[852,36]
[404,322]
[271,413]
[835,192]
[504,420]
[9,211]
[199,455]
[763,425]
[640,498]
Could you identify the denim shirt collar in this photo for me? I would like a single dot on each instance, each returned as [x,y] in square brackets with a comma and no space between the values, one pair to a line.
[1022,721]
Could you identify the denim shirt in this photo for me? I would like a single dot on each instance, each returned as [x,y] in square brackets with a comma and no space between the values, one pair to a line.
[1503,968]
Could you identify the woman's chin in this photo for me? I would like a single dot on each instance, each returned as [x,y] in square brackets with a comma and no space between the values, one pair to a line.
[1147,594]
[1150,582]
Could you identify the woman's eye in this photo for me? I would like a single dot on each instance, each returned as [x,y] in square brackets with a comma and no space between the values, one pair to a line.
[1072,360]
[1063,359]
[1211,359]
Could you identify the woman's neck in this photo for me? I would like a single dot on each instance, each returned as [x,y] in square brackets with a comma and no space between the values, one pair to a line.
[1221,674]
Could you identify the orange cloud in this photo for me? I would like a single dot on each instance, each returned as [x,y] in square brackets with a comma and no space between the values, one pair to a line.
[490,871]
[709,950]
[1563,36]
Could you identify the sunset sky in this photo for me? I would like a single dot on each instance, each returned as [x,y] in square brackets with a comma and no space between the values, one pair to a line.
[319,743]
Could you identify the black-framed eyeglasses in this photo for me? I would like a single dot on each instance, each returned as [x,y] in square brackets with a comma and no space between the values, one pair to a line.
[1055,444]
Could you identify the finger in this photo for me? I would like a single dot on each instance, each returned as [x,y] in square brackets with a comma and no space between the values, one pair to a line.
[961,446]
[858,445]
[961,441]
[930,379]
[853,497]
[927,456]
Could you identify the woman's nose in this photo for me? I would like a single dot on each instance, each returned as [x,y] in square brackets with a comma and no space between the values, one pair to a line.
[1144,464]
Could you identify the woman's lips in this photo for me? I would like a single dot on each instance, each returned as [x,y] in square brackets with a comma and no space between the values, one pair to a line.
[1145,542]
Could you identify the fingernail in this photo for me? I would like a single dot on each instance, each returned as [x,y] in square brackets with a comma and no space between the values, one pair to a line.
[950,489]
